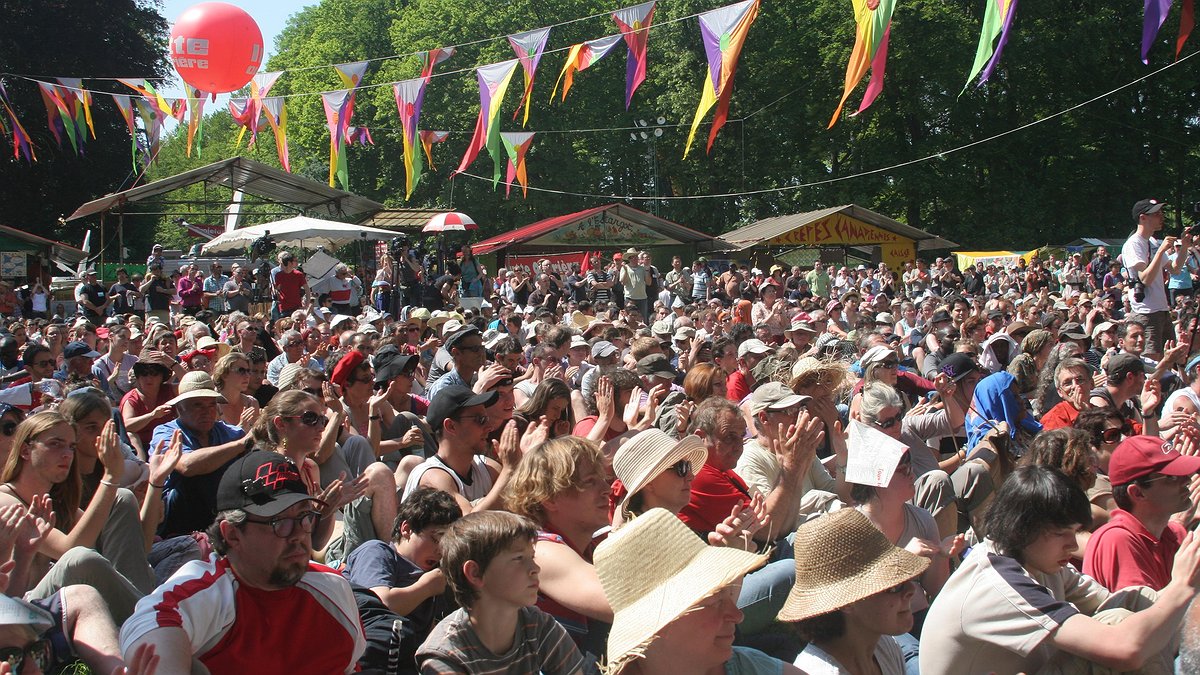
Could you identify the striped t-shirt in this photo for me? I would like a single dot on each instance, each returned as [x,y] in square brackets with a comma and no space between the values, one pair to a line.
[540,645]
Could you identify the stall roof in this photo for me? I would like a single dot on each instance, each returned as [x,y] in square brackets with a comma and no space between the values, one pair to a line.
[65,256]
[401,219]
[254,178]
[770,228]
[612,225]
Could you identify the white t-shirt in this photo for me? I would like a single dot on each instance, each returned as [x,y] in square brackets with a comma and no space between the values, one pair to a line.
[816,661]
[1138,250]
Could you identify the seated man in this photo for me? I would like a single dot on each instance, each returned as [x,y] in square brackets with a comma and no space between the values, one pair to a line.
[400,581]
[209,446]
[71,625]
[260,598]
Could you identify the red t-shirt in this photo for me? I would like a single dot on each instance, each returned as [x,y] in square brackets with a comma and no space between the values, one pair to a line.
[1122,553]
[287,287]
[737,386]
[714,494]
[584,427]
[1061,416]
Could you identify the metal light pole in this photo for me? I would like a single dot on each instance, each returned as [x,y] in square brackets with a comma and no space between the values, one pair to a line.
[649,134]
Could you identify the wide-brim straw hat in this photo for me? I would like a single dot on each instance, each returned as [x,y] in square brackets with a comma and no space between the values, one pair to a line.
[842,558]
[654,570]
[196,384]
[648,454]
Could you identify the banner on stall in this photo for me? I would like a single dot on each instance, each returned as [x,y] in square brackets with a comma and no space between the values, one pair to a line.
[839,229]
[559,262]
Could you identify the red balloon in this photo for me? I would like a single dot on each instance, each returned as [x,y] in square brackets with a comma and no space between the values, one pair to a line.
[216,47]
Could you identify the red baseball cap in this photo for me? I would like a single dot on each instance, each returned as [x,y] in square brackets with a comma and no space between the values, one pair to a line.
[1139,456]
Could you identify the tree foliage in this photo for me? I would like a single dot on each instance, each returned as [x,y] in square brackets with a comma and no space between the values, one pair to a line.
[80,38]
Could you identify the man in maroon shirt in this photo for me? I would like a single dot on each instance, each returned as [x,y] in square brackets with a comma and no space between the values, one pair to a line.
[190,289]
[289,285]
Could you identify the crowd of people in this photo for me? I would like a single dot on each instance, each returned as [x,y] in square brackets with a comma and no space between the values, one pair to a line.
[609,467]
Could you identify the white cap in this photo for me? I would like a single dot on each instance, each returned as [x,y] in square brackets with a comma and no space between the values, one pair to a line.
[753,346]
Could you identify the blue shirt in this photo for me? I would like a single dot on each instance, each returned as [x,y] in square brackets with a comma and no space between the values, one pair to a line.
[190,502]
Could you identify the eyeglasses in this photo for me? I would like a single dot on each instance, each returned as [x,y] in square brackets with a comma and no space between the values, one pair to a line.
[1113,434]
[413,329]
[889,422]
[285,527]
[309,418]
[469,348]
[889,364]
[1171,480]
[38,650]
[240,371]
[481,420]
[289,345]
[682,468]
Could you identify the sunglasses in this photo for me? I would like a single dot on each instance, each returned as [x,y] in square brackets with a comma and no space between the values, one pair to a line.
[309,418]
[889,364]
[890,422]
[39,651]
[682,468]
[240,371]
[284,527]
[1114,434]
[9,428]
[481,420]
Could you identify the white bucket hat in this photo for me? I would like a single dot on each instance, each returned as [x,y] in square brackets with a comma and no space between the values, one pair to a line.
[654,570]
[648,454]
[196,384]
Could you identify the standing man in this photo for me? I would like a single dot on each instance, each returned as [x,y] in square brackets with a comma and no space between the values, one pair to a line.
[155,257]
[158,291]
[633,277]
[237,290]
[678,280]
[190,289]
[289,286]
[122,293]
[701,280]
[599,281]
[91,298]
[339,289]
[214,289]
[1145,259]
[219,615]
[818,280]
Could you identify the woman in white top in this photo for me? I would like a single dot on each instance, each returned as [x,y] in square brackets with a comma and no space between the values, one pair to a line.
[853,592]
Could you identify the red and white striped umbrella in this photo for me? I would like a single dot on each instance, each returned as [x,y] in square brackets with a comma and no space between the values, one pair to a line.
[452,221]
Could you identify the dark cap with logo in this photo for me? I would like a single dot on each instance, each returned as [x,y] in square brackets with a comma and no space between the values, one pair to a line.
[262,484]
[1145,206]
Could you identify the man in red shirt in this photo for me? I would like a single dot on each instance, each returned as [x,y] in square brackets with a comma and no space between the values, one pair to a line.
[1073,380]
[1137,546]
[190,289]
[289,286]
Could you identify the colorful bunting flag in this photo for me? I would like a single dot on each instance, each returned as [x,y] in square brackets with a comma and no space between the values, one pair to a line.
[410,96]
[57,116]
[724,32]
[516,144]
[125,107]
[82,100]
[635,28]
[874,25]
[153,116]
[1187,21]
[195,105]
[493,83]
[581,57]
[339,109]
[149,93]
[247,112]
[432,58]
[359,135]
[428,138]
[1156,14]
[22,143]
[529,47]
[997,20]
[275,111]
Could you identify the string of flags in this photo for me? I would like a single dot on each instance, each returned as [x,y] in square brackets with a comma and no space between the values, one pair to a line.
[724,31]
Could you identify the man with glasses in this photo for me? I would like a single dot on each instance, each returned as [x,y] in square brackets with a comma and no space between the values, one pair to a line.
[1137,546]
[261,596]
[237,291]
[1073,381]
[293,352]
[797,479]
[459,422]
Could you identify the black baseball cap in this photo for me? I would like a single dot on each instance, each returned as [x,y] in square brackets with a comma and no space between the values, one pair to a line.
[79,348]
[1072,330]
[459,334]
[1144,206]
[957,366]
[263,484]
[657,365]
[449,400]
[390,369]
[941,316]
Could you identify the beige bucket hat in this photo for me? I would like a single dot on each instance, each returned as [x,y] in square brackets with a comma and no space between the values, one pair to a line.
[648,454]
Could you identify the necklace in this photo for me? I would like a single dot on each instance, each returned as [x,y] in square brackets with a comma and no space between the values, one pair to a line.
[13,490]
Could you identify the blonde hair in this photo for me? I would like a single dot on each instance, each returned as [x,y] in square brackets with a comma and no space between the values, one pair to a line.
[225,364]
[66,495]
[284,404]
[549,470]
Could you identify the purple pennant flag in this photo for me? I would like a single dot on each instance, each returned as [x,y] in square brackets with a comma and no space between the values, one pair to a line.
[1156,14]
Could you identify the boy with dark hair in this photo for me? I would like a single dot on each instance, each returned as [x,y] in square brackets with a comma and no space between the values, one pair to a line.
[397,585]
[487,557]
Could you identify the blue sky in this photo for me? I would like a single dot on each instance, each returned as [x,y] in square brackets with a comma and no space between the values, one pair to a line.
[271,16]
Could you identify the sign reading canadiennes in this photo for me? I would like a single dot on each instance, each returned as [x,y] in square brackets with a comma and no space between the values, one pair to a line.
[837,229]
[604,229]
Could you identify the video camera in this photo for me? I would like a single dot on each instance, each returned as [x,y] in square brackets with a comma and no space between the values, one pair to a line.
[262,247]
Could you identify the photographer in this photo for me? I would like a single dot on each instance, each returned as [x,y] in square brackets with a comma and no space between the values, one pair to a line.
[1145,260]
[158,290]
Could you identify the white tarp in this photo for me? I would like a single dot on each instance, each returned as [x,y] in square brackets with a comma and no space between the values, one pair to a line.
[301,232]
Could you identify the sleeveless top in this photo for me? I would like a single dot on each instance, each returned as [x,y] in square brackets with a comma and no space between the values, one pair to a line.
[481,478]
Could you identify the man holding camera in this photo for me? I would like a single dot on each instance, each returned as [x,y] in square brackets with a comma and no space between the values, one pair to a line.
[158,290]
[1147,266]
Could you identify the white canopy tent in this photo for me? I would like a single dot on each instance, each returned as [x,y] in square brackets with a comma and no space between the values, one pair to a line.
[301,231]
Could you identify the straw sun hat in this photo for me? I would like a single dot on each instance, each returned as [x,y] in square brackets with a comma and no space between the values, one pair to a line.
[196,384]
[647,455]
[655,569]
[842,558]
